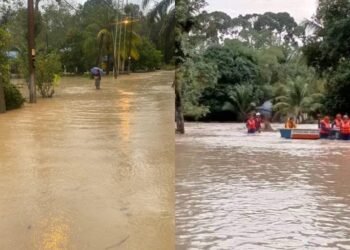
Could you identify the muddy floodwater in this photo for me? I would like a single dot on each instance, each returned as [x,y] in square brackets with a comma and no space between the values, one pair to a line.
[90,169]
[236,191]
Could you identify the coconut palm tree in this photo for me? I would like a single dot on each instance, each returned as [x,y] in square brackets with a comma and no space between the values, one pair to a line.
[160,8]
[297,99]
[105,40]
[162,15]
[243,98]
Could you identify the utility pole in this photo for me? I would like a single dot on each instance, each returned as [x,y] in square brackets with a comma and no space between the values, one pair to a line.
[31,52]
[115,40]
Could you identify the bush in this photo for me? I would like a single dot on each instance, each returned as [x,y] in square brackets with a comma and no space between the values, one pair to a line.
[48,68]
[338,90]
[13,97]
[150,58]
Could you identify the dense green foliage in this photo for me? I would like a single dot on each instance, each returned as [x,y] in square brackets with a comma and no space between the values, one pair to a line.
[297,98]
[193,73]
[95,33]
[4,62]
[303,69]
[257,58]
[48,68]
[161,20]
[72,38]
[13,97]
[329,52]
[149,57]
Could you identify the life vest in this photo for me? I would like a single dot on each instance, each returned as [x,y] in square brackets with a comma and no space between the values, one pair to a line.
[290,125]
[345,128]
[251,124]
[325,127]
[337,123]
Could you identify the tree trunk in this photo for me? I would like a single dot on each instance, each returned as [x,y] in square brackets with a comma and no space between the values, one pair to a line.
[123,65]
[2,98]
[179,117]
[36,9]
[108,64]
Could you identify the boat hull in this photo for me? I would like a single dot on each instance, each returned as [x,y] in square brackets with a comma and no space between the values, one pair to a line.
[310,134]
[300,134]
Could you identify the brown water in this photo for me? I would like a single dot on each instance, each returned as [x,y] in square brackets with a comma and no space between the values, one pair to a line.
[90,169]
[236,191]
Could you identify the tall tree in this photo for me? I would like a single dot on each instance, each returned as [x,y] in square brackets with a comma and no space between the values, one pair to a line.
[162,22]
[329,52]
[4,67]
[186,11]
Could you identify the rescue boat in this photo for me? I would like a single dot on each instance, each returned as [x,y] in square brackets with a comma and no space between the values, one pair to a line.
[301,134]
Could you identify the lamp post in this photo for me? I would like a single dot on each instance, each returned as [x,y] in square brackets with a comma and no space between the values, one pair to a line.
[124,39]
[130,39]
[115,39]
[120,37]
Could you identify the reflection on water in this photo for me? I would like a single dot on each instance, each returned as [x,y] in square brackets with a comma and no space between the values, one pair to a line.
[90,169]
[55,235]
[239,191]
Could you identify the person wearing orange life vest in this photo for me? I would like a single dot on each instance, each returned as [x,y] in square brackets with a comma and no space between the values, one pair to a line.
[345,128]
[251,124]
[290,124]
[325,128]
[337,121]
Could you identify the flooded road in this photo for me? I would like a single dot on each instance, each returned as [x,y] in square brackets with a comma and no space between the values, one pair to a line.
[90,169]
[236,191]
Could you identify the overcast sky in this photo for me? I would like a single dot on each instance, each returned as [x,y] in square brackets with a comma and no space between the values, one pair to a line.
[130,1]
[299,9]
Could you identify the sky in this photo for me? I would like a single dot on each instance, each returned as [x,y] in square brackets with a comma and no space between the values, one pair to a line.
[130,1]
[299,9]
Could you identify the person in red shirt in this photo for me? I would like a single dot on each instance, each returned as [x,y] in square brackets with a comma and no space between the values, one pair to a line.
[345,128]
[251,124]
[325,128]
[337,122]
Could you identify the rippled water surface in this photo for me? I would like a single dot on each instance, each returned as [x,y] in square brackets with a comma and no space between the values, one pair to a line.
[238,191]
[90,169]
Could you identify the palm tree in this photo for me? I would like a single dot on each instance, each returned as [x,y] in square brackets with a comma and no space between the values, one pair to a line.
[243,99]
[105,40]
[162,14]
[298,99]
